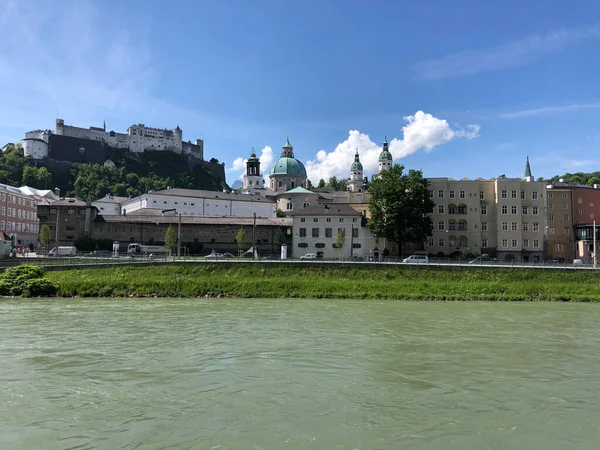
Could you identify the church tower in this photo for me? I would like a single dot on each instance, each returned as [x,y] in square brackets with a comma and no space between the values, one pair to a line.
[528,176]
[385,159]
[253,179]
[356,182]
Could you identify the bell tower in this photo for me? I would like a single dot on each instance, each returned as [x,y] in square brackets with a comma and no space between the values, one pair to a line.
[253,179]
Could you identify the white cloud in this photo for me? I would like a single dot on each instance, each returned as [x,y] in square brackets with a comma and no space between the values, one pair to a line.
[549,110]
[505,56]
[422,132]
[266,158]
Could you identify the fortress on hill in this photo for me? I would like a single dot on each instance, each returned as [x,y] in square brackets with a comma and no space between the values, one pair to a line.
[75,144]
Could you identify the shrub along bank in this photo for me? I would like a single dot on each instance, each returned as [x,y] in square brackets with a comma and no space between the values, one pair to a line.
[26,280]
[329,281]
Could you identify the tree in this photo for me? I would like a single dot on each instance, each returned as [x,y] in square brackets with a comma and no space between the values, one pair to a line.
[469,252]
[400,207]
[240,239]
[309,185]
[170,239]
[279,213]
[44,236]
[339,241]
[321,184]
[342,185]
[333,183]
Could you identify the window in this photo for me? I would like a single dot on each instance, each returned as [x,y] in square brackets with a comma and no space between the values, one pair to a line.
[580,212]
[484,209]
[290,206]
[483,226]
[514,243]
[564,195]
[522,195]
[430,242]
[550,206]
[461,194]
[566,231]
[536,243]
[524,210]
[513,194]
[302,245]
[558,247]
[355,219]
[504,243]
[4,210]
[430,193]
[328,232]
[440,242]
[484,243]
[549,194]
[2,224]
[71,211]
[462,209]
[504,209]
[452,225]
[565,206]
[503,193]
[302,232]
[565,217]
[525,243]
[303,219]
[451,194]
[328,219]
[441,209]
[504,226]
[342,230]
[52,211]
[440,194]
[534,210]
[536,226]
[513,209]
[481,195]
[550,231]
[354,232]
[550,217]
[441,225]
[316,219]
[452,209]
[3,197]
[534,195]
[341,219]
[514,226]
[355,245]
[319,245]
[579,200]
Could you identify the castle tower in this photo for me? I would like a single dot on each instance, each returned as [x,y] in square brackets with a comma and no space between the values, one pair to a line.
[528,177]
[60,127]
[252,178]
[178,135]
[356,182]
[385,158]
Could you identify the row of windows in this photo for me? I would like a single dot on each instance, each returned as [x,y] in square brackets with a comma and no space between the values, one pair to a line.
[513,194]
[452,194]
[566,231]
[564,195]
[69,211]
[564,206]
[328,232]
[524,210]
[18,200]
[322,245]
[514,226]
[20,213]
[328,219]
[514,243]
[18,226]
[565,218]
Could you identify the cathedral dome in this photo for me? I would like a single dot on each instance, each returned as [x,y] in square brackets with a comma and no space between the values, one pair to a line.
[288,166]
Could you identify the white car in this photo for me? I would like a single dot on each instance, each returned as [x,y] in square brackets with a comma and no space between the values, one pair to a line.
[309,256]
[215,256]
[416,259]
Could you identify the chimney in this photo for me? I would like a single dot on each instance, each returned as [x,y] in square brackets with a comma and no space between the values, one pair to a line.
[57,192]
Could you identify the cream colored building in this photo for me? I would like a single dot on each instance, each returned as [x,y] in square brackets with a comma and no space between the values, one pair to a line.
[503,217]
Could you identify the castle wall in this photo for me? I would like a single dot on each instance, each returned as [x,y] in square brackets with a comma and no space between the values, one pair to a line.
[74,149]
[34,148]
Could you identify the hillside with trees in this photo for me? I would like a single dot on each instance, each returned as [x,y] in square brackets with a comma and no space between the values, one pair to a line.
[132,175]
[588,179]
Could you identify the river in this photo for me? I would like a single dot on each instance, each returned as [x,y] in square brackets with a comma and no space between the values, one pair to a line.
[298,374]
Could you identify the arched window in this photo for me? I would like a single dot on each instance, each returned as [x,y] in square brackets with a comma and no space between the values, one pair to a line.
[452,225]
[462,241]
[290,206]
[462,209]
[451,208]
[452,241]
[462,225]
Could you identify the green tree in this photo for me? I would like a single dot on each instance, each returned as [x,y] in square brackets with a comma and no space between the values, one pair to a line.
[400,207]
[309,185]
[279,213]
[240,239]
[469,252]
[340,240]
[333,183]
[44,236]
[44,178]
[342,185]
[170,239]
[321,184]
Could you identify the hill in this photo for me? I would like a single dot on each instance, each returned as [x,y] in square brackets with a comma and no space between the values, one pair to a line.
[132,175]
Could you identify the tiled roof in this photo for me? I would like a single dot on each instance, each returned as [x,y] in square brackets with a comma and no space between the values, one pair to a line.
[63,202]
[194,219]
[331,209]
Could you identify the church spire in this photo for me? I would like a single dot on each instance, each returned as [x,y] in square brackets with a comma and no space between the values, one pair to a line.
[288,150]
[528,176]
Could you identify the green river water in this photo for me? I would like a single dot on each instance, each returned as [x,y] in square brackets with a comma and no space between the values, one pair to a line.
[302,374]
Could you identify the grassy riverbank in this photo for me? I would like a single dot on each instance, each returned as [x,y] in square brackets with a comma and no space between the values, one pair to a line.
[336,281]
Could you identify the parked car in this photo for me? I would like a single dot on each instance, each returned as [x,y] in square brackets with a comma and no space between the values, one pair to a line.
[355,258]
[228,255]
[309,256]
[416,259]
[214,256]
[481,259]
[578,261]
[98,254]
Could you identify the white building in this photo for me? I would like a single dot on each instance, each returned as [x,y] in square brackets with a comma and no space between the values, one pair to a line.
[202,203]
[137,139]
[315,230]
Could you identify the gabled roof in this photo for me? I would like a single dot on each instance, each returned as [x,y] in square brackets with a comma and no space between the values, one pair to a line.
[299,190]
[330,209]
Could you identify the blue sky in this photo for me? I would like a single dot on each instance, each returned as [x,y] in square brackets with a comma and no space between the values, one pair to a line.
[461,89]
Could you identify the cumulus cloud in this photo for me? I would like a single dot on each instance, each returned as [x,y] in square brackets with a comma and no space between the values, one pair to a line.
[422,131]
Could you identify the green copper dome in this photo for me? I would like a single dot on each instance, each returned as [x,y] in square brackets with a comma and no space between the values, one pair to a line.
[356,165]
[385,156]
[288,166]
